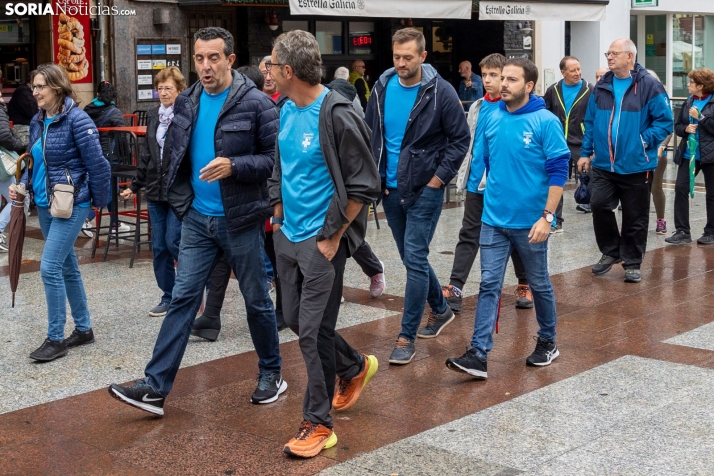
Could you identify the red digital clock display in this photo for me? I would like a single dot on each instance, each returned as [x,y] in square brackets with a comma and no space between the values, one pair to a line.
[362,40]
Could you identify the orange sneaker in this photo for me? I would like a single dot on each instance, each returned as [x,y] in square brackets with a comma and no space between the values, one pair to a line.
[348,391]
[310,439]
[524,298]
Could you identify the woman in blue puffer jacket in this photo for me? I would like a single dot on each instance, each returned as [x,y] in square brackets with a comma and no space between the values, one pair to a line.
[64,142]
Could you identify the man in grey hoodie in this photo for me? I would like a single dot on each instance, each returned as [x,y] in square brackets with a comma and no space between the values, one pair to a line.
[419,139]
[322,180]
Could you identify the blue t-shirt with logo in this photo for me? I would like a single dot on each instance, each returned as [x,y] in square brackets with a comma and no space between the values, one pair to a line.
[699,104]
[517,147]
[570,93]
[307,187]
[619,87]
[207,196]
[477,164]
[398,104]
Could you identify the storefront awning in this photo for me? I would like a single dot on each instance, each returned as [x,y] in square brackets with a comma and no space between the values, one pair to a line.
[573,10]
[458,9]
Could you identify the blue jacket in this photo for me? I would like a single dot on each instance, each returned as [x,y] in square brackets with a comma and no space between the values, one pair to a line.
[645,121]
[72,143]
[245,133]
[474,92]
[435,140]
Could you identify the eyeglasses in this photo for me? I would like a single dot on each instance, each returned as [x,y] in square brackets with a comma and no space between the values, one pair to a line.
[38,87]
[168,89]
[269,65]
[265,72]
[614,53]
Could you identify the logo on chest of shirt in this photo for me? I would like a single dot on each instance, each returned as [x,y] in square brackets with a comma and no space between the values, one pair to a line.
[306,141]
[527,139]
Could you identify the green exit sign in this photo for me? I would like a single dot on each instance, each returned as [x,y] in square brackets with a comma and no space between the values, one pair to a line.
[645,3]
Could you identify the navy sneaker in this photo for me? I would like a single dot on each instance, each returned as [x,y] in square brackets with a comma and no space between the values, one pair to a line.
[403,352]
[436,324]
[139,395]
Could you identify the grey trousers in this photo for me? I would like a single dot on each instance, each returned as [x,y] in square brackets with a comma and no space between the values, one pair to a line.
[312,291]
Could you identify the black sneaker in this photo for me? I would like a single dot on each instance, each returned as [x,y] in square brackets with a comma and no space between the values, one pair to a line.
[207,327]
[632,276]
[678,238]
[49,350]
[706,239]
[139,395]
[159,310]
[544,353]
[605,264]
[79,338]
[436,324]
[469,363]
[270,386]
[583,207]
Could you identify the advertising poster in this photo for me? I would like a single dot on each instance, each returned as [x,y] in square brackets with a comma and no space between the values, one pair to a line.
[71,39]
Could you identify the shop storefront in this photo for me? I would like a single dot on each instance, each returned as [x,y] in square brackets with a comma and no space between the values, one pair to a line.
[672,38]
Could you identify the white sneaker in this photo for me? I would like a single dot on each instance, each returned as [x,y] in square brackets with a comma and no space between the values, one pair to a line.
[3,244]
[122,228]
[87,229]
[377,283]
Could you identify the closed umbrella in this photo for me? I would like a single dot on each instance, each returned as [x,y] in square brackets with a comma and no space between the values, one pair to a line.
[692,145]
[18,220]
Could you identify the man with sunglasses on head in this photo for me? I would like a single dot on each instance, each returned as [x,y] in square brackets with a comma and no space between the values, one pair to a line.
[222,154]
[628,117]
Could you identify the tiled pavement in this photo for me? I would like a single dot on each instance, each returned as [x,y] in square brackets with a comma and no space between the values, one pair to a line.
[628,395]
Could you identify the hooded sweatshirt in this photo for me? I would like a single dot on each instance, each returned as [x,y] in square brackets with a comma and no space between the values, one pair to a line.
[525,153]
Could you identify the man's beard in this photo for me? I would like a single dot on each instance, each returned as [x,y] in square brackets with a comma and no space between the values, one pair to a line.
[409,74]
[516,98]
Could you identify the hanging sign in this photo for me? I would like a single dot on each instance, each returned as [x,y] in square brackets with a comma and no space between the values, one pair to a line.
[457,9]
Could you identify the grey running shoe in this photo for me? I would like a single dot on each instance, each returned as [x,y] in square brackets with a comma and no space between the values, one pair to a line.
[403,352]
[678,238]
[605,264]
[436,323]
[706,239]
[632,276]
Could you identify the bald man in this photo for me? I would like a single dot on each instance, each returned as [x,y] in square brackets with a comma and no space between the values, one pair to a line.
[600,73]
[471,86]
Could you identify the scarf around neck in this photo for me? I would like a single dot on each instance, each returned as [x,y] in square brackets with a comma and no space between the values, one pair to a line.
[165,116]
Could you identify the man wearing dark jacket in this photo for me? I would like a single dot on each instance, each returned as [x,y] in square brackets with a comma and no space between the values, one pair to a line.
[568,100]
[21,109]
[419,139]
[223,142]
[628,117]
[322,180]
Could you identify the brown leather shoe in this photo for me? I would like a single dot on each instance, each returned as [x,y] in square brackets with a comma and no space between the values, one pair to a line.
[310,439]
[348,391]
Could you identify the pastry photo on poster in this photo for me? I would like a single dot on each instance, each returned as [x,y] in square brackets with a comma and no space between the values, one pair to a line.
[71,40]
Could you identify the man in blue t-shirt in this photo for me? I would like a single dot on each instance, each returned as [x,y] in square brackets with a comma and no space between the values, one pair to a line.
[469,182]
[568,100]
[323,181]
[526,167]
[222,152]
[628,117]
[419,139]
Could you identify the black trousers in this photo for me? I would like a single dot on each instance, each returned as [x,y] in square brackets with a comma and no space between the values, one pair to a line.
[681,196]
[633,192]
[468,245]
[312,291]
[221,275]
[365,258]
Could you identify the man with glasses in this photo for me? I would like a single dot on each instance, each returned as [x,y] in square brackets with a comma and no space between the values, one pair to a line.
[628,117]
[222,153]
[357,70]
[269,86]
[324,179]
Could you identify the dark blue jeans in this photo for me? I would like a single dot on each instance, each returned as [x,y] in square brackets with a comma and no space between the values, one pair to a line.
[165,240]
[203,240]
[413,228]
[496,247]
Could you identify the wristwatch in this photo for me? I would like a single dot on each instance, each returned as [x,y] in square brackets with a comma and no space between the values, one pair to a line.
[276,221]
[548,215]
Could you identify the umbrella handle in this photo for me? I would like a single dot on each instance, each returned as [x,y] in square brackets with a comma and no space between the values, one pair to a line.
[30,163]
